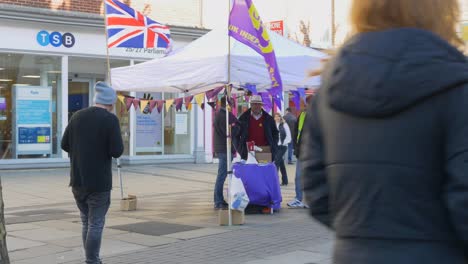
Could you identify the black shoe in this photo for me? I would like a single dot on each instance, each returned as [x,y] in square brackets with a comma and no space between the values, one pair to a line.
[222,206]
[284,184]
[290,162]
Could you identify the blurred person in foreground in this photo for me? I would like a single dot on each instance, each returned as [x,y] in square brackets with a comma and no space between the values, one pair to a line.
[92,138]
[385,143]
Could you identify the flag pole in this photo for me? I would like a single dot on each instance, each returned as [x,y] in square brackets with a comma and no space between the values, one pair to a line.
[228,127]
[109,79]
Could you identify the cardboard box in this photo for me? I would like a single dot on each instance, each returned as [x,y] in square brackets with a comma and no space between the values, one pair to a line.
[238,217]
[129,203]
[265,155]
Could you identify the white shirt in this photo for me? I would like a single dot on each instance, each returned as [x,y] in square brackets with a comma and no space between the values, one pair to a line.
[257,117]
[288,138]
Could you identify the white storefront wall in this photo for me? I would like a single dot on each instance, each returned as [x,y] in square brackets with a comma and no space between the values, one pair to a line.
[22,37]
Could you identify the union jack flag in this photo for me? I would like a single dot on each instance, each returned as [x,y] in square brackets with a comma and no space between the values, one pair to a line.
[128,28]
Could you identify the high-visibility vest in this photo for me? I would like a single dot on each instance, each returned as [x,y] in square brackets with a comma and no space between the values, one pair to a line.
[301,124]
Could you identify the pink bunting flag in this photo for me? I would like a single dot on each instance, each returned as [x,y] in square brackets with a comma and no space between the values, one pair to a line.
[178,103]
[211,94]
[160,105]
[136,103]
[188,102]
[128,102]
[152,105]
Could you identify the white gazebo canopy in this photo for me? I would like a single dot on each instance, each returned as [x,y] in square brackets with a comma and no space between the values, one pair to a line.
[203,65]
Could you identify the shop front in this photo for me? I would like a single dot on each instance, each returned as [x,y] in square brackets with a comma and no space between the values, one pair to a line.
[47,73]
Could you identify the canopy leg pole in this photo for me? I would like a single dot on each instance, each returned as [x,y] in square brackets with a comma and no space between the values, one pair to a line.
[228,154]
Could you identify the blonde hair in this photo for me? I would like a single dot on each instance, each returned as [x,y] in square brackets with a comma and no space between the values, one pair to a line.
[438,16]
[281,117]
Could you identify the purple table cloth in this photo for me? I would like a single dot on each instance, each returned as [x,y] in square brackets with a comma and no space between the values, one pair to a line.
[261,183]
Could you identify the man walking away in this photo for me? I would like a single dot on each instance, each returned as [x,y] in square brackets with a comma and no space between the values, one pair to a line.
[291,120]
[220,148]
[92,138]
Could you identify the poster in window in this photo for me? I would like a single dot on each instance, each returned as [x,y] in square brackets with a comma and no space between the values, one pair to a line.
[33,120]
[181,124]
[148,126]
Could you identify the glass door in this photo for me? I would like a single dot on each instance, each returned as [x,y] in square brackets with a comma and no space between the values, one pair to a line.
[78,95]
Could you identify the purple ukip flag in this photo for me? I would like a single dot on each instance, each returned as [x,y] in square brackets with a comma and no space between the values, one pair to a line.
[246,26]
[302,94]
[267,105]
[296,98]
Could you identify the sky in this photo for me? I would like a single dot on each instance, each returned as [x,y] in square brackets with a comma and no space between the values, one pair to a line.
[315,13]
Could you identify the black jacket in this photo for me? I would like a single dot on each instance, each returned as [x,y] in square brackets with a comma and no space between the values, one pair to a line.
[297,139]
[291,120]
[92,138]
[271,133]
[385,146]
[219,126]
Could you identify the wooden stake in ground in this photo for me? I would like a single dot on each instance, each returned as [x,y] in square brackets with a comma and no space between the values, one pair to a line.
[4,259]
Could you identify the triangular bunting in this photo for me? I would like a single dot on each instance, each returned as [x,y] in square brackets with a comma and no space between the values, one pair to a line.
[188,102]
[128,102]
[143,105]
[121,98]
[212,104]
[152,105]
[169,103]
[136,103]
[199,98]
[211,94]
[160,104]
[178,103]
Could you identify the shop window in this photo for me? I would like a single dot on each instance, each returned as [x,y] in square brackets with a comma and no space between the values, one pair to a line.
[29,123]
[177,129]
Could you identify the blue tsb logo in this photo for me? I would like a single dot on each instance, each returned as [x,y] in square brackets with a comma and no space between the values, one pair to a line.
[55,39]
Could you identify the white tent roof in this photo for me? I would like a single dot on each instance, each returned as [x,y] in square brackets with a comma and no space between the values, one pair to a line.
[203,65]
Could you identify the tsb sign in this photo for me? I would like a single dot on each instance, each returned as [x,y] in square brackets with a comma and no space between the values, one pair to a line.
[55,39]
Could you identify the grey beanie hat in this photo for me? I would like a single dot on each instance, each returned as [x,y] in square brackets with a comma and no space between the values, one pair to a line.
[104,94]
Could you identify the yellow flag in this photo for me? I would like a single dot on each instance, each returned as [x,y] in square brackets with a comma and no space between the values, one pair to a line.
[143,104]
[169,102]
[121,98]
[199,98]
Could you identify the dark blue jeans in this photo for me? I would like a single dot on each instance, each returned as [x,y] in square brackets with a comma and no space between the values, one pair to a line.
[290,152]
[279,162]
[298,181]
[93,209]
[220,179]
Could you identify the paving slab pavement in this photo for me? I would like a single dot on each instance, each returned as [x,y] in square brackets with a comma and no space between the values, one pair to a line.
[175,221]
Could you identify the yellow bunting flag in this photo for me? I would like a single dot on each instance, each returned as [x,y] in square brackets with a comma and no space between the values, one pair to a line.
[169,102]
[121,98]
[199,98]
[143,105]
